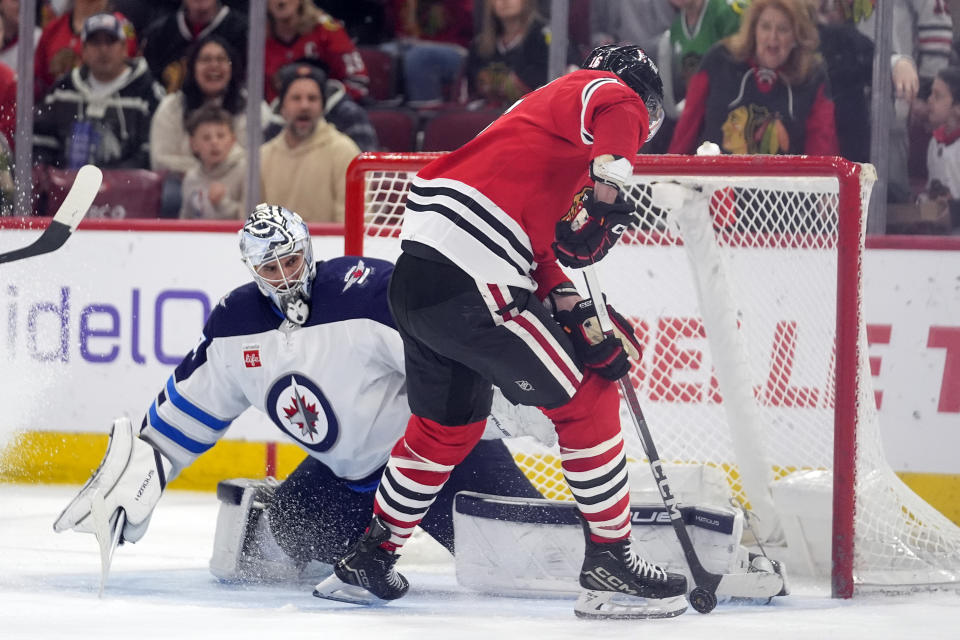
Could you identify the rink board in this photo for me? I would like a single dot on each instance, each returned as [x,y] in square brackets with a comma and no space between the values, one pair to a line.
[93,330]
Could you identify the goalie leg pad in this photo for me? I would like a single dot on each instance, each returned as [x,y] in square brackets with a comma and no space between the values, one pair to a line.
[529,546]
[244,547]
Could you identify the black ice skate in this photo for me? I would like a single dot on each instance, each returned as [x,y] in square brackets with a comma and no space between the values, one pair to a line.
[621,584]
[365,575]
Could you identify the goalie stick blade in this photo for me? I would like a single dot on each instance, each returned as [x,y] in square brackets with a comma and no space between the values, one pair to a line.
[333,588]
[107,529]
[75,206]
[609,605]
[754,584]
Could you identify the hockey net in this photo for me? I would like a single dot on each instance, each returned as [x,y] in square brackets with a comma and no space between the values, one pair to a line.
[744,283]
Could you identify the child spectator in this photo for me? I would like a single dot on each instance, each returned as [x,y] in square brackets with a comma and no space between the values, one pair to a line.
[943,153]
[216,188]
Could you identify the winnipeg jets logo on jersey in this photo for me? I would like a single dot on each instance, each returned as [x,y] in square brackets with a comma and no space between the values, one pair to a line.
[357,274]
[297,405]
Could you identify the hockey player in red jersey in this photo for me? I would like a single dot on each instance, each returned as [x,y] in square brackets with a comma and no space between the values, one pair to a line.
[480,300]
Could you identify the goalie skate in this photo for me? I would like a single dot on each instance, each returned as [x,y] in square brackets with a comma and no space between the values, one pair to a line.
[366,574]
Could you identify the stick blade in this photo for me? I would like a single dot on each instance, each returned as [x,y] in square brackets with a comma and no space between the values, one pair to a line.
[107,528]
[82,194]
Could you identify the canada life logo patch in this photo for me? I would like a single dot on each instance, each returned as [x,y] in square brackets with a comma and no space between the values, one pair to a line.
[251,356]
[299,408]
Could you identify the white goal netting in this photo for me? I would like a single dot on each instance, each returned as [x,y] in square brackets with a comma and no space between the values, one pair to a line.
[744,285]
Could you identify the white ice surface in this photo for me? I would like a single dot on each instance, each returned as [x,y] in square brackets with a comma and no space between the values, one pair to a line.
[160,588]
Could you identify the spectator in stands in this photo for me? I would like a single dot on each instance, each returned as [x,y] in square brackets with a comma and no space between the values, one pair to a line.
[214,74]
[338,109]
[298,30]
[99,113]
[763,89]
[167,40]
[304,168]
[510,55]
[8,98]
[637,22]
[698,26]
[943,153]
[10,42]
[216,188]
[432,41]
[920,46]
[60,46]
[848,55]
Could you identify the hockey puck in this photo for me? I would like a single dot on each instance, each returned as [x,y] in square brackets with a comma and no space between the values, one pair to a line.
[702,600]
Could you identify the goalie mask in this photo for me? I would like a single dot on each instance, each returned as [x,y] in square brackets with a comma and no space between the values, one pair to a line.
[276,247]
[632,65]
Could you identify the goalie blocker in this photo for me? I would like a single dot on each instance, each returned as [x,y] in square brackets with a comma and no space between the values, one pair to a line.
[532,547]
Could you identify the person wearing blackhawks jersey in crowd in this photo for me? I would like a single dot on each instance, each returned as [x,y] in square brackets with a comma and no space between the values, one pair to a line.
[762,90]
[167,40]
[299,31]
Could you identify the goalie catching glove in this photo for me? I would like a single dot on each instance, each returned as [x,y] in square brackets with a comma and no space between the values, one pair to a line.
[587,235]
[607,355]
[131,478]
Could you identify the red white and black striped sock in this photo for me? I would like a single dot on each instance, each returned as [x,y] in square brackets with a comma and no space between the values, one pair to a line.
[419,466]
[597,477]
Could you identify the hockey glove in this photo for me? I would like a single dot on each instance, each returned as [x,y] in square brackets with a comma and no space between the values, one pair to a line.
[131,478]
[587,239]
[607,355]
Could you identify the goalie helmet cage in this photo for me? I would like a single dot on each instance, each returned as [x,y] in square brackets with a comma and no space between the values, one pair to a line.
[748,301]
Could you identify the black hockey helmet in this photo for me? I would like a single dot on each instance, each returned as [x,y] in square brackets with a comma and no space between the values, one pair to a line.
[632,65]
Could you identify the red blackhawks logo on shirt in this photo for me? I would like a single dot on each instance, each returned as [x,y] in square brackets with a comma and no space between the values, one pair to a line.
[251,356]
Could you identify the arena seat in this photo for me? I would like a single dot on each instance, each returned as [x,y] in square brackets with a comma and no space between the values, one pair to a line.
[125,193]
[382,68]
[452,128]
[396,128]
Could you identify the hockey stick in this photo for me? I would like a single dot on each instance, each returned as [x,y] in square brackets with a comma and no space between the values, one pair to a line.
[703,598]
[68,216]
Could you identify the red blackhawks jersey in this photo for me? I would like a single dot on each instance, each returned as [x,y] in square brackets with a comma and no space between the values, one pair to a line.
[328,42]
[491,207]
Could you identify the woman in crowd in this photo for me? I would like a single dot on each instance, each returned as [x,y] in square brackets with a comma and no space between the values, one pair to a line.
[510,55]
[213,76]
[762,90]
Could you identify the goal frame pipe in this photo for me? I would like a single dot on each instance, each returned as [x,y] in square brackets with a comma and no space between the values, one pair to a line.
[850,241]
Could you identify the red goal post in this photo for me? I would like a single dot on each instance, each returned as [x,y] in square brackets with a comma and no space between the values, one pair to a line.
[749,301]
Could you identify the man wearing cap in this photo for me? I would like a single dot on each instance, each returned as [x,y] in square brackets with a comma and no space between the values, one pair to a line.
[305,167]
[100,112]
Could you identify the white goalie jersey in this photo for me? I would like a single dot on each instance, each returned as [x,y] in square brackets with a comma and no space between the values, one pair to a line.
[335,385]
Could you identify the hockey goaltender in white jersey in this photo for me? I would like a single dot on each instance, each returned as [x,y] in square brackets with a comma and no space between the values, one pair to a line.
[313,346]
